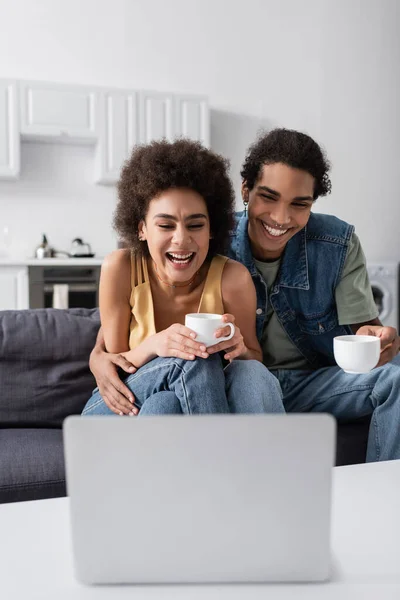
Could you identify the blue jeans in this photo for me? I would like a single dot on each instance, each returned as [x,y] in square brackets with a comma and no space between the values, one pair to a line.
[201,386]
[351,396]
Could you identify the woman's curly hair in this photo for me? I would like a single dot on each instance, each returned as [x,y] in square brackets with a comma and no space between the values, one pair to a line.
[292,148]
[163,165]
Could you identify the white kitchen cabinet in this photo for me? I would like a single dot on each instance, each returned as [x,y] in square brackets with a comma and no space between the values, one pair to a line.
[9,131]
[156,116]
[58,112]
[14,287]
[192,118]
[115,120]
[118,133]
[127,118]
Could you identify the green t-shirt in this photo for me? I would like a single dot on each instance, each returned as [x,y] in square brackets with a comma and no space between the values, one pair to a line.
[354,303]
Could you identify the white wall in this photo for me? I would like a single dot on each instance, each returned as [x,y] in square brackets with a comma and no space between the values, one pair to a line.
[327,67]
[360,119]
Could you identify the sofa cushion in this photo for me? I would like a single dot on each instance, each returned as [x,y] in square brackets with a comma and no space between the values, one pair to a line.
[31,464]
[44,371]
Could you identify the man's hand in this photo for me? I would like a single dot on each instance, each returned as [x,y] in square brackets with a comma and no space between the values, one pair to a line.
[390,341]
[115,394]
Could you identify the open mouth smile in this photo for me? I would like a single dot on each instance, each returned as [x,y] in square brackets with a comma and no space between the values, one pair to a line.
[178,258]
[274,231]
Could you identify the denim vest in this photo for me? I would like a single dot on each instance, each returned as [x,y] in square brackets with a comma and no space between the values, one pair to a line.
[303,295]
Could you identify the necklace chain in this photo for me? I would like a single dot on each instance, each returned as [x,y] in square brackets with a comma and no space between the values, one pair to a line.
[174,285]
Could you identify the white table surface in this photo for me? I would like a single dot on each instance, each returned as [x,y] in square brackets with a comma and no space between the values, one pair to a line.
[36,560]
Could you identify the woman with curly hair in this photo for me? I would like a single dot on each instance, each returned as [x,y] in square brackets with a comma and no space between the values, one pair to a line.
[175,213]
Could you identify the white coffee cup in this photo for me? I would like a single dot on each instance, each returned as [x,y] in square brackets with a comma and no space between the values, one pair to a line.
[356,353]
[205,325]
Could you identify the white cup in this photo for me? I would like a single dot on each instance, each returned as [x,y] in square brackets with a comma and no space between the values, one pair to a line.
[205,325]
[356,353]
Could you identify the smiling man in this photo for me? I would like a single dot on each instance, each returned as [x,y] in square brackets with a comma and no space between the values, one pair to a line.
[312,284]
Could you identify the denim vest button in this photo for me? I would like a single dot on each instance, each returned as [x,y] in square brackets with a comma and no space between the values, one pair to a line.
[259,311]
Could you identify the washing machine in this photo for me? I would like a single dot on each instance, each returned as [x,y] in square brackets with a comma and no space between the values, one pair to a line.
[384,279]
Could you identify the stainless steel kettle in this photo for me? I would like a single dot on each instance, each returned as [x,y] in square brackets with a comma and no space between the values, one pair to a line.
[44,250]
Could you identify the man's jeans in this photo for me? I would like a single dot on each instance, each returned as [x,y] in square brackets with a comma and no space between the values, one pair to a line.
[348,396]
[201,386]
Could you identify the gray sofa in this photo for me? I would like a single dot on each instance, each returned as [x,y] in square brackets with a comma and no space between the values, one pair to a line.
[44,376]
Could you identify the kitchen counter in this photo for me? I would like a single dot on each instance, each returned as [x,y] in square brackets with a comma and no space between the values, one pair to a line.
[56,262]
[27,282]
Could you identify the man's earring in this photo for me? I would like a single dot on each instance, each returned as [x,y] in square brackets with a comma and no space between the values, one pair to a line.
[245,204]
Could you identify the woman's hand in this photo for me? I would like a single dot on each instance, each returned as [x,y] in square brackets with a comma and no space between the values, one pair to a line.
[235,347]
[115,394]
[179,341]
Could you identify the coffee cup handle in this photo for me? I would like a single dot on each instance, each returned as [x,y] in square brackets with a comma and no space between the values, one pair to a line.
[230,336]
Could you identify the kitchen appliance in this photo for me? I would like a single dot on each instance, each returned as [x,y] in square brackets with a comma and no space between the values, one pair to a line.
[44,250]
[76,285]
[80,249]
[384,279]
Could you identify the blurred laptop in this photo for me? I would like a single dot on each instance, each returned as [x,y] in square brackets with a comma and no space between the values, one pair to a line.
[185,499]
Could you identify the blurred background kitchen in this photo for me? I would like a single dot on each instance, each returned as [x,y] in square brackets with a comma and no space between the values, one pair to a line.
[82,81]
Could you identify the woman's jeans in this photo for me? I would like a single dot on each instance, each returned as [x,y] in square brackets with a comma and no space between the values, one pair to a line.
[202,386]
[346,396]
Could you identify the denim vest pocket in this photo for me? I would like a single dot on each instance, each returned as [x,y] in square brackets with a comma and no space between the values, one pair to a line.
[318,324]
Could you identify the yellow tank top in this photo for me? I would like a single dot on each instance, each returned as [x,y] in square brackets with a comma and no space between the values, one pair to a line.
[142,323]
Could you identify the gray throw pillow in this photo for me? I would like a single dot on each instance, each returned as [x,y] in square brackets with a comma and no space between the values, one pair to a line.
[44,370]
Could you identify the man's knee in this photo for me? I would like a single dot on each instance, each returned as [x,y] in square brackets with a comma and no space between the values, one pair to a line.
[396,360]
[388,380]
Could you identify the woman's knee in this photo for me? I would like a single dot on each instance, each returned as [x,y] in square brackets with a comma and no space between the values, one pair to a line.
[162,403]
[253,388]
[202,386]
[207,365]
[252,370]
